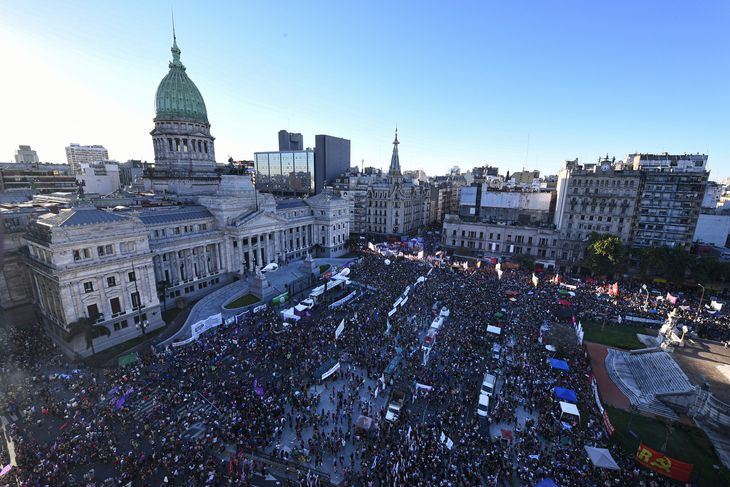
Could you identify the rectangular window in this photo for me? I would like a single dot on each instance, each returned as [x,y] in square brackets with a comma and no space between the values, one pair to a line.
[77,255]
[89,287]
[116,307]
[131,277]
[111,281]
[135,300]
[123,323]
[92,311]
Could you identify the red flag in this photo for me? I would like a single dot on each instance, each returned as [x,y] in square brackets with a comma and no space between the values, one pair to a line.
[661,463]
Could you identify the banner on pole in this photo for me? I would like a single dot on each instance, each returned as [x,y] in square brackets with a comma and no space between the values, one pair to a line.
[340,329]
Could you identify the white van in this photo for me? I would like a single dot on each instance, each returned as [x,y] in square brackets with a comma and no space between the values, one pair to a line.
[488,385]
[483,406]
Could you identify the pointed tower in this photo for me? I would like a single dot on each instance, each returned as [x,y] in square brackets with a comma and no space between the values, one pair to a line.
[394,160]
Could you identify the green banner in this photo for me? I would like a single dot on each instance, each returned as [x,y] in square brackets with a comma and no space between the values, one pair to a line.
[280,299]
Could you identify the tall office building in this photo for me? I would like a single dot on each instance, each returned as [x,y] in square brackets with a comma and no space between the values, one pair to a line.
[670,200]
[331,158]
[290,173]
[77,154]
[24,154]
[290,141]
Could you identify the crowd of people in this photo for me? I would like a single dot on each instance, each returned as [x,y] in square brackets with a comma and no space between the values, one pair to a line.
[221,408]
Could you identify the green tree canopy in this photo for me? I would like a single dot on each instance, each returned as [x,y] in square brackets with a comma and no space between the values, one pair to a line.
[605,254]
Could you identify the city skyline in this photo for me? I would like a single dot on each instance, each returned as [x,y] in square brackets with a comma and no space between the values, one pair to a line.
[275,74]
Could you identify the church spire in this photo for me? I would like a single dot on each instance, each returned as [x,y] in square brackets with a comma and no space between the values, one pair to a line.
[394,160]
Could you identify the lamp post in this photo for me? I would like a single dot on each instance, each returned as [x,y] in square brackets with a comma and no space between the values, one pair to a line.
[699,308]
[142,325]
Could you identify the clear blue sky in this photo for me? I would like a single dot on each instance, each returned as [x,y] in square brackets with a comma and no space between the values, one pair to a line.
[465,82]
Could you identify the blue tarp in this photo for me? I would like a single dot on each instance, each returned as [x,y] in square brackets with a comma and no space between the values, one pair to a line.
[558,364]
[566,395]
[547,483]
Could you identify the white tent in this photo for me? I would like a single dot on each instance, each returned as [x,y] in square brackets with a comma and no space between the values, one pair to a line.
[568,408]
[437,323]
[551,348]
[300,307]
[494,329]
[601,458]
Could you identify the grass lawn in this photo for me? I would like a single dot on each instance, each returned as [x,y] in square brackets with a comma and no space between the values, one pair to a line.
[101,358]
[613,334]
[324,268]
[244,300]
[169,314]
[685,443]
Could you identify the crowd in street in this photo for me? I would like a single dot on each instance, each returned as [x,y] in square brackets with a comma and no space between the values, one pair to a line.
[200,414]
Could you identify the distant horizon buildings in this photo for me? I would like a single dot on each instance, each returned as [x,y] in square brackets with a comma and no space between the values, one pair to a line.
[76,154]
[24,154]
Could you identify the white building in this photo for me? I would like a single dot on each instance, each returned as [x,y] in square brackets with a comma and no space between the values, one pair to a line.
[24,154]
[77,154]
[99,177]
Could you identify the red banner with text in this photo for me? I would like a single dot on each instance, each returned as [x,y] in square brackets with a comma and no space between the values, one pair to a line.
[663,464]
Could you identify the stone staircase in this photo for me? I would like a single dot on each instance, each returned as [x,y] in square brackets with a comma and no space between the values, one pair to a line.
[643,375]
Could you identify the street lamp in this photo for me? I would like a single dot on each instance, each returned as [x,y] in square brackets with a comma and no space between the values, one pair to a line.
[143,326]
[699,308]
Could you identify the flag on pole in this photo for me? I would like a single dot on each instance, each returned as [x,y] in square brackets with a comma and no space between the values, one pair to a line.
[535,280]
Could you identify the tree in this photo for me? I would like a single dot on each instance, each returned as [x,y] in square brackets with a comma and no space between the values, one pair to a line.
[90,330]
[605,254]
[526,261]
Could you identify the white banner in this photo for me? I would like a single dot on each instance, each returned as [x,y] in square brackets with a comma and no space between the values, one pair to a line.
[340,329]
[404,302]
[331,371]
[342,301]
[183,342]
[202,326]
[392,311]
[639,319]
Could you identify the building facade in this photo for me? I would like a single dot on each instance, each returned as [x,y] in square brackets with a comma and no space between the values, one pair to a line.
[331,158]
[286,172]
[478,238]
[101,177]
[37,178]
[25,155]
[290,142]
[673,187]
[101,277]
[77,154]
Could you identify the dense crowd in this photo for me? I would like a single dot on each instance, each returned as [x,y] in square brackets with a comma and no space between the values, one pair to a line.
[247,386]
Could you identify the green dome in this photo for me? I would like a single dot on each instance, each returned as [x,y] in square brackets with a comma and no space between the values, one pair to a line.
[177,96]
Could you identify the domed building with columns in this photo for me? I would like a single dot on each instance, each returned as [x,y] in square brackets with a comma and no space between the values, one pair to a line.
[103,276]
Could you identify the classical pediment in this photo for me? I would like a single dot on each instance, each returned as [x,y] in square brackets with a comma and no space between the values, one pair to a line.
[258,220]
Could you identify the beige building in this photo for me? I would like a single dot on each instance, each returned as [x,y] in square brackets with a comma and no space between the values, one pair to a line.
[118,269]
[475,238]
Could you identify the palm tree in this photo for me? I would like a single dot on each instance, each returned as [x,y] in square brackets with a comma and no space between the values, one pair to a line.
[90,330]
